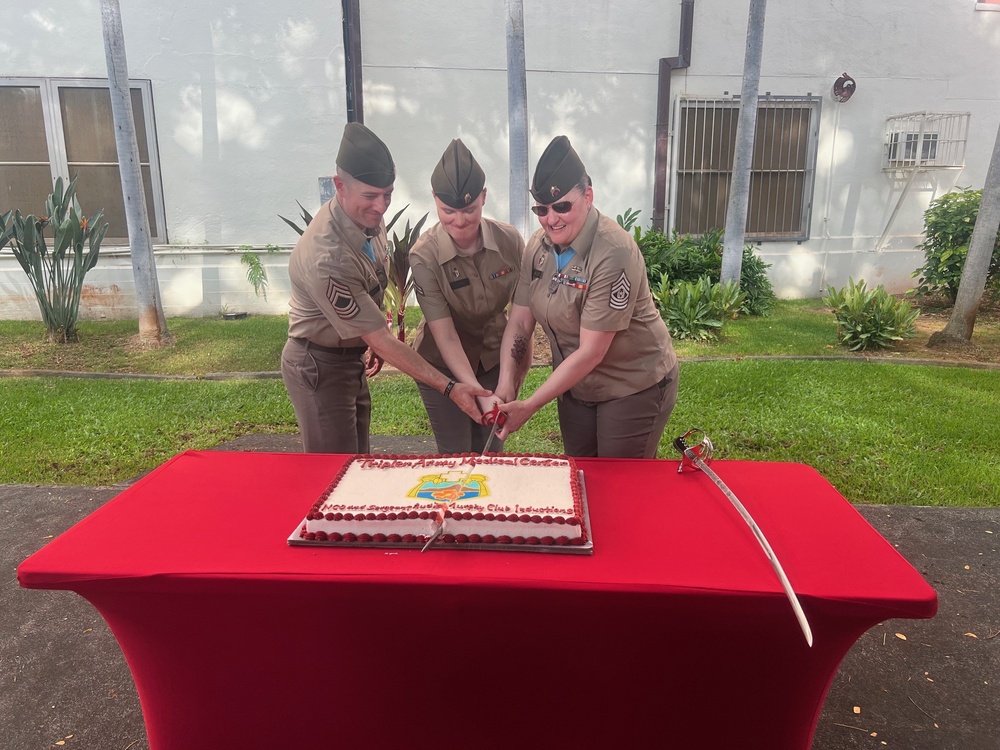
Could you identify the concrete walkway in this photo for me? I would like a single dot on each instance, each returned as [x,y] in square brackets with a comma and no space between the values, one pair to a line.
[907,684]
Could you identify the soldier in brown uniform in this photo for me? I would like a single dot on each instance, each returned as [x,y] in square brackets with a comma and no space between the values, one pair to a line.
[465,269]
[338,272]
[584,280]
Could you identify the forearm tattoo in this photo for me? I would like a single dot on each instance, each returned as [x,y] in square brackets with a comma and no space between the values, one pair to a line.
[519,348]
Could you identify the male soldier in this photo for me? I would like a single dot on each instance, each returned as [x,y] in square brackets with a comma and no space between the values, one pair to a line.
[339,272]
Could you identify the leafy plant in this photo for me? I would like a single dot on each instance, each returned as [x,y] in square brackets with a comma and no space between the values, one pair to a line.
[696,309]
[727,300]
[690,257]
[400,282]
[870,318]
[627,221]
[306,218]
[256,273]
[948,225]
[56,276]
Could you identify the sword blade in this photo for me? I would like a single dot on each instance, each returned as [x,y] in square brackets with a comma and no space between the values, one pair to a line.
[493,434]
[785,584]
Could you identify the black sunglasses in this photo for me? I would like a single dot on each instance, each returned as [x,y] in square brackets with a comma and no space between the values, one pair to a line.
[563,207]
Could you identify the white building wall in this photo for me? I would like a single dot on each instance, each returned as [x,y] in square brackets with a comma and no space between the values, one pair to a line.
[432,74]
[249,100]
[250,104]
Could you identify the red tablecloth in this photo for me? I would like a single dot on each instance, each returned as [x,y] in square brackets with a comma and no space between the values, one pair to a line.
[675,632]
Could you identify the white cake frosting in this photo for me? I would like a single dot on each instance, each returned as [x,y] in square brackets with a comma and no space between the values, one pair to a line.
[497,499]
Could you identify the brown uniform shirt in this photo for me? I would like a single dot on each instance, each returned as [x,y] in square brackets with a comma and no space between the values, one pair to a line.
[603,288]
[336,289]
[473,291]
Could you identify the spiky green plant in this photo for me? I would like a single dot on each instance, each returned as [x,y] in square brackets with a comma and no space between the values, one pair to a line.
[306,218]
[56,274]
[400,281]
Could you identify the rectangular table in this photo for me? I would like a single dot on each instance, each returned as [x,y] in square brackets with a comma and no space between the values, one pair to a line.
[674,633]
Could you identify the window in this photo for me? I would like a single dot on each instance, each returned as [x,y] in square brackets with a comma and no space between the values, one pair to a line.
[782,171]
[51,127]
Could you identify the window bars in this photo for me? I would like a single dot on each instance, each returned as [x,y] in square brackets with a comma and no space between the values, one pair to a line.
[782,171]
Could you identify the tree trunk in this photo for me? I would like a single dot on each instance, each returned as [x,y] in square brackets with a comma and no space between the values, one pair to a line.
[517,116]
[977,262]
[152,323]
[746,127]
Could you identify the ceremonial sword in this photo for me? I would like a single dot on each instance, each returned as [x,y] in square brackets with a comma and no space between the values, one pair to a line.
[694,456]
[494,417]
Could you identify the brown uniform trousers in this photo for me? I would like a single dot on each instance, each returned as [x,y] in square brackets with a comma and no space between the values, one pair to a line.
[628,427]
[329,392]
[454,432]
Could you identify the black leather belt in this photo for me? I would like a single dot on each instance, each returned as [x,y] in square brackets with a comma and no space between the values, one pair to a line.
[344,351]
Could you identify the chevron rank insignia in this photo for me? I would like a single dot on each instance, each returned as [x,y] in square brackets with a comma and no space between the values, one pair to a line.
[342,300]
[620,292]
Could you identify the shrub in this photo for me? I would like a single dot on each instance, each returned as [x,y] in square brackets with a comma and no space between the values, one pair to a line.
[696,309]
[948,225]
[690,257]
[758,294]
[870,319]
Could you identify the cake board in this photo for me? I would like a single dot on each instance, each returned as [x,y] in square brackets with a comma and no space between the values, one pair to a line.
[587,548]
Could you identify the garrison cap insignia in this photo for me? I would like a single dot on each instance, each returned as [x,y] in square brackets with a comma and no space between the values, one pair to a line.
[621,290]
[342,300]
[555,191]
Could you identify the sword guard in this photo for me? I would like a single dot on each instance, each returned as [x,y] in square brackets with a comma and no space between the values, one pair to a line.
[494,415]
[691,450]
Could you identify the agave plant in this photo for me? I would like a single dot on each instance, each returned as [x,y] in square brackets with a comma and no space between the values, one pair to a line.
[306,218]
[56,274]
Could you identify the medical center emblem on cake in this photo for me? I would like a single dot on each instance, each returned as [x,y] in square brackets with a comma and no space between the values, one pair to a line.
[451,487]
[499,501]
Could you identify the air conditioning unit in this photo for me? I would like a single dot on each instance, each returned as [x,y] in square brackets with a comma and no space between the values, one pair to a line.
[925,140]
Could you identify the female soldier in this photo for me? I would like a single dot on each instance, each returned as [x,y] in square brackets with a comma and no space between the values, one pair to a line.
[465,269]
[584,279]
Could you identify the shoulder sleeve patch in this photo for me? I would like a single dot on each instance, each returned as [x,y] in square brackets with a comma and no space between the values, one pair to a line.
[342,300]
[621,290]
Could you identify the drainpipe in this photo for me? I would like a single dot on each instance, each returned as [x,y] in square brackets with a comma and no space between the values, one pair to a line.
[667,65]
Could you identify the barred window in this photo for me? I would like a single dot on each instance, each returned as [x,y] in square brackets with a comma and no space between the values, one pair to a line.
[63,127]
[782,171]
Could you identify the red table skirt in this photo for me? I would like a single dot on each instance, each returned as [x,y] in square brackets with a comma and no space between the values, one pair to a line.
[675,633]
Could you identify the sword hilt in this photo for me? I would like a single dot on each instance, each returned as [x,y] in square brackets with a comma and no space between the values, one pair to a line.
[494,415]
[690,450]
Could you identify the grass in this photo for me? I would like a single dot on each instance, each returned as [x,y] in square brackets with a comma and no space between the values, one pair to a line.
[797,327]
[881,433]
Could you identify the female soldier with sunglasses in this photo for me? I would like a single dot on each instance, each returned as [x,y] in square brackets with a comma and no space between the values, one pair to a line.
[584,280]
[465,269]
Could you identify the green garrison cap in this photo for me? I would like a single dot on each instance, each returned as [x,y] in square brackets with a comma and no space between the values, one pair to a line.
[559,170]
[458,179]
[363,156]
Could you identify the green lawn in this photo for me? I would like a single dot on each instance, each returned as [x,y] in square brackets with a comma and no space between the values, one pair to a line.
[881,432]
[205,345]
